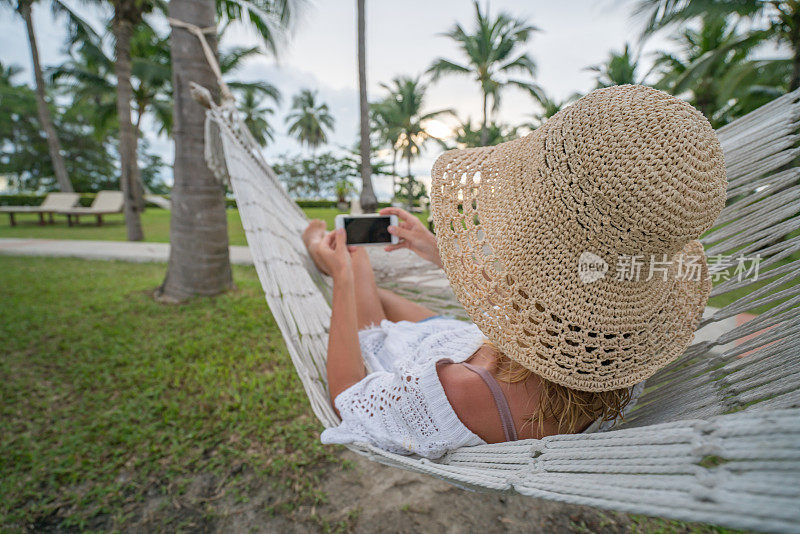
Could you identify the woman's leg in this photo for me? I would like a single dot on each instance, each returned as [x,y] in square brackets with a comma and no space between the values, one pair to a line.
[373,304]
[368,306]
[369,310]
[398,308]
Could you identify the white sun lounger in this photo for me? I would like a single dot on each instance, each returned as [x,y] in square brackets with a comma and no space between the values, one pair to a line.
[105,203]
[53,202]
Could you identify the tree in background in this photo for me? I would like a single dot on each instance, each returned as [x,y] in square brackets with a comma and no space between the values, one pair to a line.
[151,68]
[368,200]
[713,80]
[127,15]
[314,178]
[318,177]
[619,69]
[385,128]
[468,135]
[23,8]
[151,166]
[88,154]
[493,54]
[251,96]
[199,261]
[550,106]
[309,119]
[777,21]
[255,116]
[401,116]
[87,77]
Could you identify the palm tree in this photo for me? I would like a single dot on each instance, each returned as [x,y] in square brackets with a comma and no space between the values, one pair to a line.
[23,8]
[199,261]
[550,106]
[88,76]
[368,200]
[469,136]
[308,119]
[7,74]
[255,116]
[251,95]
[385,125]
[714,80]
[405,123]
[151,67]
[127,15]
[619,69]
[776,20]
[493,57]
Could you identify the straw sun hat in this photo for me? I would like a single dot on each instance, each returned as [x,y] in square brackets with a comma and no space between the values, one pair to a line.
[574,249]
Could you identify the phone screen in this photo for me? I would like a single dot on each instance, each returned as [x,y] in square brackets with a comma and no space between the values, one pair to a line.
[363,230]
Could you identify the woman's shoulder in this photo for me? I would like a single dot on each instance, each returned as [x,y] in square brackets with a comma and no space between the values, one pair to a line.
[471,401]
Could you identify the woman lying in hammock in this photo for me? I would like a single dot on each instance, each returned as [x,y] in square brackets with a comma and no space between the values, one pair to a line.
[528,233]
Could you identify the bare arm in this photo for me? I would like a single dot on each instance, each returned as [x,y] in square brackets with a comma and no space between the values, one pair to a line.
[345,364]
[413,236]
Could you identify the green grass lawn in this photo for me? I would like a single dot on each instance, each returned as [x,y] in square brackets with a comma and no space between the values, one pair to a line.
[154,221]
[110,398]
[107,394]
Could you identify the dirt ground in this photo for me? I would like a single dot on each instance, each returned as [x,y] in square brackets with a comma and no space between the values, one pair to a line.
[366,497]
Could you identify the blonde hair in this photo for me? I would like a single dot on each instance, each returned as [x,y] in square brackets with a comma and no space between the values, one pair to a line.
[567,407]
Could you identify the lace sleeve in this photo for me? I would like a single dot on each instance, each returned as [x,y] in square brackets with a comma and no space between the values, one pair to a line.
[402,412]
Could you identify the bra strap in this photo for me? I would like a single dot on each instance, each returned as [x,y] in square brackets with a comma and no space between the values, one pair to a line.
[509,430]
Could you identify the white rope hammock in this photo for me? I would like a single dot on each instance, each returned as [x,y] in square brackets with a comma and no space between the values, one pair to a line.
[715,437]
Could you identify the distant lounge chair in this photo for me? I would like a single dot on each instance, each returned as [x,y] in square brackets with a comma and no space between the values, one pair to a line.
[53,202]
[105,203]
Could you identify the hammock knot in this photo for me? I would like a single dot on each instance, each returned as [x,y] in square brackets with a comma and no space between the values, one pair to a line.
[537,449]
[703,493]
[705,427]
[706,448]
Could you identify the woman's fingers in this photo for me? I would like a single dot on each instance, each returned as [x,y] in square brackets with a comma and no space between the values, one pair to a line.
[399,231]
[341,241]
[329,239]
[402,214]
[391,248]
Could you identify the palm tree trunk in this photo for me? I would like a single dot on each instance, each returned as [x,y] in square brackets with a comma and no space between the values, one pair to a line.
[484,126]
[53,144]
[794,81]
[316,171]
[368,200]
[137,126]
[395,178]
[130,180]
[410,184]
[199,261]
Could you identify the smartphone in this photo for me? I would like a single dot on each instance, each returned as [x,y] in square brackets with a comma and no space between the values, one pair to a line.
[371,229]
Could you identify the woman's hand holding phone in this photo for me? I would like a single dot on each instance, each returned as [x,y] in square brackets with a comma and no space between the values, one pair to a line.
[413,236]
[336,255]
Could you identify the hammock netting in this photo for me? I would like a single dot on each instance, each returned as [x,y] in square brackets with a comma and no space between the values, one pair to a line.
[715,437]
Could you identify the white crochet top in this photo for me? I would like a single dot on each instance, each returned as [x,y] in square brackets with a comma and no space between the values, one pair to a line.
[400,406]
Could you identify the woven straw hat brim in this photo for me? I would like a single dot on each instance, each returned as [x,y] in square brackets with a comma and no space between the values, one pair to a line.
[513,260]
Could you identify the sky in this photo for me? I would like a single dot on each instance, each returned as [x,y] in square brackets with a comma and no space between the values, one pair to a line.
[403,38]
